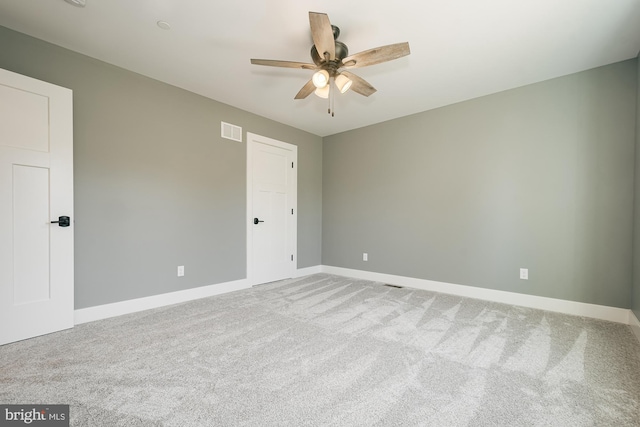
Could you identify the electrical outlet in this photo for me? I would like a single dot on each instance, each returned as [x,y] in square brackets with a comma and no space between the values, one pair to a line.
[365,256]
[524,273]
[180,270]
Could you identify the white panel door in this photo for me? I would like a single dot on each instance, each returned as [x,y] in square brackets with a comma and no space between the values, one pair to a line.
[272,211]
[36,187]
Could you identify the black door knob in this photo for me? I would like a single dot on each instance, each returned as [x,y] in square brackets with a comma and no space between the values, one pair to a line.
[63,221]
[256,220]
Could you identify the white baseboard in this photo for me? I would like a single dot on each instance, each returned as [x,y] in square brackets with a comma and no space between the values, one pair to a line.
[308,271]
[635,324]
[105,311]
[613,314]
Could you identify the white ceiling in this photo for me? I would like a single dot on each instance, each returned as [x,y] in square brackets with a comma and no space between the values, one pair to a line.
[460,49]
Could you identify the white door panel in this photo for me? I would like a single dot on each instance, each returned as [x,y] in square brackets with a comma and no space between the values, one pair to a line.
[19,107]
[30,234]
[36,186]
[271,198]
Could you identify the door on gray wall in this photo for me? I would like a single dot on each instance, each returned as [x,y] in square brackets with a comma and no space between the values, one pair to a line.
[271,209]
[36,187]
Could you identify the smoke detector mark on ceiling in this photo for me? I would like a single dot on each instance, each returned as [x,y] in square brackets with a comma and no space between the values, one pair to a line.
[78,3]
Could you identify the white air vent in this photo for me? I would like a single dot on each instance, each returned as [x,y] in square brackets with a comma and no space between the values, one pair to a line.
[231,131]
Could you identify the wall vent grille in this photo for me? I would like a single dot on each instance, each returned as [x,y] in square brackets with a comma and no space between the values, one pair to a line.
[230,131]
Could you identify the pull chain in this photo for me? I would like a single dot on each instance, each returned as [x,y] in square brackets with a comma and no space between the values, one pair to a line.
[331,109]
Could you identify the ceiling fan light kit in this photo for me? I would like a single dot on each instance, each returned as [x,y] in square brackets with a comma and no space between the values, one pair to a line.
[320,79]
[322,92]
[343,83]
[331,66]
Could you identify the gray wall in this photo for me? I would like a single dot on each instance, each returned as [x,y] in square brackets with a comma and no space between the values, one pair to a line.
[539,177]
[155,184]
[635,295]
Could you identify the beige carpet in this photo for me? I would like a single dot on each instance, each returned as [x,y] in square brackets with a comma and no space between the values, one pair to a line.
[331,351]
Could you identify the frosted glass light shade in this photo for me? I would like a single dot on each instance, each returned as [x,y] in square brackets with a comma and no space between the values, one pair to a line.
[323,92]
[320,78]
[343,83]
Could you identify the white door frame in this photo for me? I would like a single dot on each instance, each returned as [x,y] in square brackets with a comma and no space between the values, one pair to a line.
[294,202]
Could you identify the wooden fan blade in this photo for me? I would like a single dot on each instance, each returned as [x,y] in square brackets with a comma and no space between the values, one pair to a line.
[377,55]
[322,34]
[306,90]
[284,64]
[359,84]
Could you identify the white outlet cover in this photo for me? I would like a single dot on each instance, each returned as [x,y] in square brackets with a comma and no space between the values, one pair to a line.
[524,273]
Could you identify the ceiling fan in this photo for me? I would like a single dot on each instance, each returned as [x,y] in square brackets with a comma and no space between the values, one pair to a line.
[331,60]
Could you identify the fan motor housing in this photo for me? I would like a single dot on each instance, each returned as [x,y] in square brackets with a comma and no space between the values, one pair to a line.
[341,52]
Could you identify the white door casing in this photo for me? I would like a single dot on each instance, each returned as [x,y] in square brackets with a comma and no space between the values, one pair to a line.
[36,187]
[272,198]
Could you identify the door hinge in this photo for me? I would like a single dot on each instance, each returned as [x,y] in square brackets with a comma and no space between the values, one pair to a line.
[291,211]
[291,165]
[292,257]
